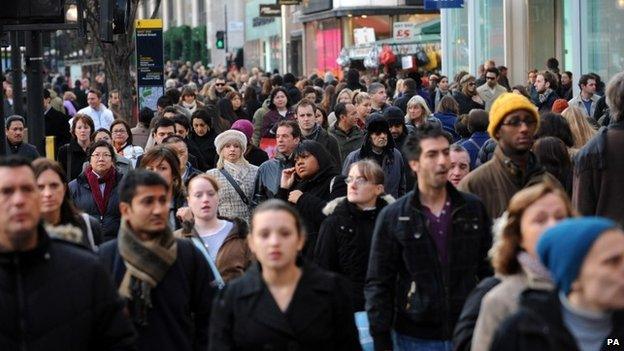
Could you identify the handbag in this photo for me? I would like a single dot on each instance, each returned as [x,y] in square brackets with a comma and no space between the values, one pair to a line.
[238,189]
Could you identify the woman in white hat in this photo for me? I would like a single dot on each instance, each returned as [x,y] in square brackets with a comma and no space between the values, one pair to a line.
[235,175]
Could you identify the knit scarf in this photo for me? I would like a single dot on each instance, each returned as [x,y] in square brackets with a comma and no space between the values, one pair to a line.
[94,183]
[146,263]
[543,97]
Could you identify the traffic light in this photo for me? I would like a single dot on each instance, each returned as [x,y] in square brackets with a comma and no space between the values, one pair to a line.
[220,44]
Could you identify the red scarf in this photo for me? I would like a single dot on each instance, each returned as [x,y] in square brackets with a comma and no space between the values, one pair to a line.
[94,184]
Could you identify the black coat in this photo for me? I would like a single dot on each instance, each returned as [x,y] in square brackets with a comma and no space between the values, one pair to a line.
[178,320]
[206,147]
[57,296]
[255,155]
[407,289]
[80,191]
[71,156]
[466,103]
[57,125]
[538,325]
[403,100]
[319,317]
[344,241]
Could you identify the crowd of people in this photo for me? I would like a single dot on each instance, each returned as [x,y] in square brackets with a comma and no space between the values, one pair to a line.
[255,211]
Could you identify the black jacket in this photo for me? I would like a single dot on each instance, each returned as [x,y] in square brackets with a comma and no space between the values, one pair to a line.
[546,105]
[538,325]
[71,156]
[294,94]
[344,241]
[403,100]
[57,125]
[407,289]
[206,147]
[80,191]
[466,103]
[178,320]
[57,296]
[328,141]
[255,155]
[22,149]
[319,316]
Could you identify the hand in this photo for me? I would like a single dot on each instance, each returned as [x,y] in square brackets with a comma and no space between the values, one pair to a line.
[184,214]
[294,196]
[288,178]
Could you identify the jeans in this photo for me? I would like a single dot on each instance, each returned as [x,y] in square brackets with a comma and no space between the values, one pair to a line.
[408,343]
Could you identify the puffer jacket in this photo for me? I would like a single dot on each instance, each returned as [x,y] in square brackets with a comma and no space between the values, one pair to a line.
[344,242]
[407,289]
[57,296]
[83,199]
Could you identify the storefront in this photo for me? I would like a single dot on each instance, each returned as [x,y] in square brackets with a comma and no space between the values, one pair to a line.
[262,38]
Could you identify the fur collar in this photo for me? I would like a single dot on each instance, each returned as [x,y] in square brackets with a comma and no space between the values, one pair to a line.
[332,205]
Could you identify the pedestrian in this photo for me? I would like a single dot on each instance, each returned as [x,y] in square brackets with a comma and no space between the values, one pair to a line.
[14,141]
[294,94]
[63,220]
[588,98]
[377,92]
[565,88]
[73,155]
[140,133]
[55,122]
[447,113]
[222,239]
[513,124]
[418,112]
[410,90]
[183,130]
[460,164]
[585,257]
[122,164]
[442,90]
[491,89]
[253,154]
[235,175]
[467,96]
[51,289]
[305,112]
[250,102]
[582,131]
[554,156]
[203,135]
[282,302]
[477,126]
[597,188]
[122,141]
[237,105]
[345,96]
[164,281]
[412,288]
[345,130]
[100,115]
[279,109]
[178,145]
[530,212]
[544,94]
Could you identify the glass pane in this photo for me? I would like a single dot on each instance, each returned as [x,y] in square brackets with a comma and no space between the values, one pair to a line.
[491,31]
[458,40]
[541,32]
[602,42]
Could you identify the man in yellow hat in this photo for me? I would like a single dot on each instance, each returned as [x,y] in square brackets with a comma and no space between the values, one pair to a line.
[513,123]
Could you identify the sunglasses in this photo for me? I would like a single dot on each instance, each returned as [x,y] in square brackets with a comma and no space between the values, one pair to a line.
[219,84]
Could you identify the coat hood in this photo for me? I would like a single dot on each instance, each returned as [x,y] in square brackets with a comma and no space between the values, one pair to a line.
[377,122]
[332,205]
[327,167]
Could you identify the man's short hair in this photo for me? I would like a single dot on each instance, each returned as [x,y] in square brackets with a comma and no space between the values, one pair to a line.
[293,125]
[375,87]
[304,103]
[96,92]
[15,161]
[340,110]
[183,121]
[164,123]
[145,116]
[172,139]
[478,120]
[46,94]
[409,84]
[136,178]
[493,70]
[585,79]
[550,78]
[169,109]
[14,118]
[163,101]
[427,130]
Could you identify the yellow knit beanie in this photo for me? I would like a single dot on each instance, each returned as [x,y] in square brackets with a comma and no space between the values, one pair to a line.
[504,105]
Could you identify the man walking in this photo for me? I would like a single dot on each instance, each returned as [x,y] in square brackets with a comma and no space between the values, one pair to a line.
[345,130]
[101,116]
[491,89]
[305,111]
[587,99]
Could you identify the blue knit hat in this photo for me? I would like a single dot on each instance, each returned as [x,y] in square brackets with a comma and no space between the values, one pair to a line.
[562,248]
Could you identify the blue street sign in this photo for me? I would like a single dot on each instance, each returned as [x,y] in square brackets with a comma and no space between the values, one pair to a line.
[443,4]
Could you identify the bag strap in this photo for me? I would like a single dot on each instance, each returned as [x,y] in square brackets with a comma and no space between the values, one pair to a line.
[235,185]
[199,244]
[87,220]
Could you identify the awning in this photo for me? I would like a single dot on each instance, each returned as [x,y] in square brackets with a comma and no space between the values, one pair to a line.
[362,10]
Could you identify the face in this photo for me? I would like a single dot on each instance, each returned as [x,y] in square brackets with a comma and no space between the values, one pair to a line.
[200,127]
[236,102]
[396,130]
[203,199]
[220,85]
[8,92]
[82,131]
[102,136]
[306,118]
[565,79]
[162,132]
[181,130]
[318,117]
[19,206]
[232,151]
[344,98]
[280,100]
[93,100]
[310,97]
[460,167]
[379,139]
[516,132]
[181,150]
[285,142]
[590,87]
[379,97]
[539,216]
[471,87]
[360,191]
[364,108]
[113,99]
[163,168]
[120,134]
[52,191]
[443,84]
[306,166]
[532,77]
[101,160]
[149,210]
[601,278]
[275,239]
[15,132]
[433,164]
[189,99]
[415,112]
[541,84]
[491,79]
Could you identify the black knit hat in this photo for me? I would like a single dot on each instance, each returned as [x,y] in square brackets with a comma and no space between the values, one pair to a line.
[394,115]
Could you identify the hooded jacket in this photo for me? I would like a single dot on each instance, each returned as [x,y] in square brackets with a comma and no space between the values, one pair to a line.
[391,159]
[206,147]
[324,186]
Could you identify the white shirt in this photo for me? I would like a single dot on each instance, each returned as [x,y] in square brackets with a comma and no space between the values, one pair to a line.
[102,118]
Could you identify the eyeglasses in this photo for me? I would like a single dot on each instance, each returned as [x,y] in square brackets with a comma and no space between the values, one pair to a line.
[359,181]
[102,156]
[490,78]
[516,122]
[472,84]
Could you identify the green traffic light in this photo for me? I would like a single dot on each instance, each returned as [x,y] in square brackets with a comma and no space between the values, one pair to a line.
[220,44]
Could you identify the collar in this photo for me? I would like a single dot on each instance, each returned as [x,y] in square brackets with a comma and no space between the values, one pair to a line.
[452,193]
[513,169]
[39,253]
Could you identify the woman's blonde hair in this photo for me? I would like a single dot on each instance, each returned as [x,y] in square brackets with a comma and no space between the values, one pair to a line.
[581,130]
[418,100]
[344,91]
[508,236]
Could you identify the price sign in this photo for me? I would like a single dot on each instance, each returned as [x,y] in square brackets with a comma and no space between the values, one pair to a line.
[404,30]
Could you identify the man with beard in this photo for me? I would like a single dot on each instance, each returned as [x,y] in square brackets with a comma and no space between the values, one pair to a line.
[305,112]
[544,95]
[380,147]
[467,97]
[513,124]
[428,252]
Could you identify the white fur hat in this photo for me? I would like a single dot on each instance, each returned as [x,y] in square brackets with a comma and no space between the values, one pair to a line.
[230,135]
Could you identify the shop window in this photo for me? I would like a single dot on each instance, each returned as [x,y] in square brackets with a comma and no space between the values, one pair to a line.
[458,55]
[602,42]
[490,31]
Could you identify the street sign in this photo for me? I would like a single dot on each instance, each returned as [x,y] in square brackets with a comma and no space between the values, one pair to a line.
[270,10]
[443,4]
[150,61]
[404,30]
[288,2]
[236,26]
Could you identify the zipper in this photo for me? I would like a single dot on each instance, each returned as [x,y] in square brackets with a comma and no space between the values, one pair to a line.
[21,303]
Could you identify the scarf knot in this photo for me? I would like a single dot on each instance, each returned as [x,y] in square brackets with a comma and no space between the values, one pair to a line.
[109,179]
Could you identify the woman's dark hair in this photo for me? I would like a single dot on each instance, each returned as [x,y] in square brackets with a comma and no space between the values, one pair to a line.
[278,205]
[126,126]
[461,127]
[183,121]
[329,98]
[145,116]
[448,104]
[553,155]
[101,130]
[272,96]
[250,95]
[325,123]
[205,114]
[101,143]
[160,153]
[226,110]
[232,94]
[69,213]
[522,91]
[553,124]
